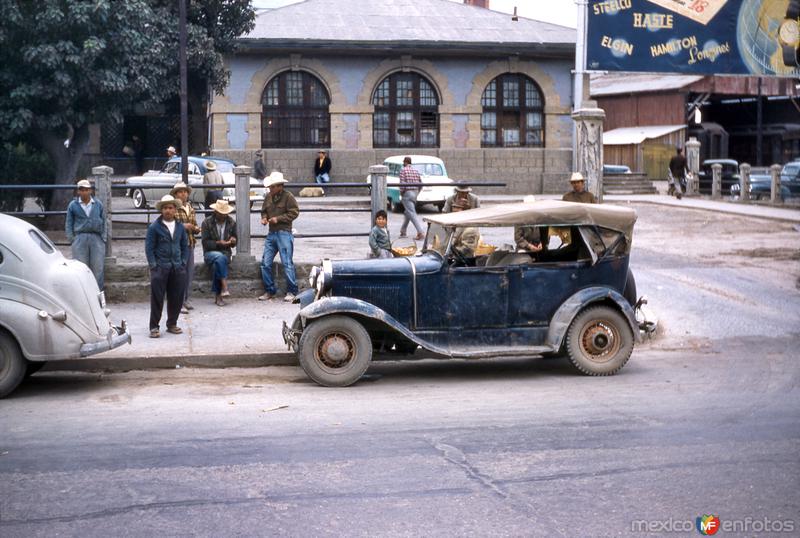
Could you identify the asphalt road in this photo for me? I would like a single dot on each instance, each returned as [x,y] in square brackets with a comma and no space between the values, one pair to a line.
[705,420]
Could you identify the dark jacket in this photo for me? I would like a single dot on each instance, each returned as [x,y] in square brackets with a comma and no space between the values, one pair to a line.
[283,206]
[164,250]
[525,236]
[210,235]
[259,169]
[584,197]
[324,168]
[79,223]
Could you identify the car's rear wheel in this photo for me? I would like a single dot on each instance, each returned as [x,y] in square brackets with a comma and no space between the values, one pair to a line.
[335,351]
[599,341]
[139,200]
[12,365]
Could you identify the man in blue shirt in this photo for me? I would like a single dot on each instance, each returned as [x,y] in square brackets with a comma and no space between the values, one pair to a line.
[86,230]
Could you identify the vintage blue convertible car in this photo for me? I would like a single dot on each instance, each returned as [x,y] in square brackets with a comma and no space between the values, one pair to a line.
[471,299]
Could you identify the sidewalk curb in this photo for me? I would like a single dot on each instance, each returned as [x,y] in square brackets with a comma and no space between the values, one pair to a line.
[126,364]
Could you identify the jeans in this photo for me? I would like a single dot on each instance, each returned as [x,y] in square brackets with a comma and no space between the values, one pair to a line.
[219,269]
[90,249]
[410,205]
[323,178]
[281,242]
[189,274]
[169,281]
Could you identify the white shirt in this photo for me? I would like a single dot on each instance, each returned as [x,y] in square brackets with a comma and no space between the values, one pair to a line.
[170,226]
[87,208]
[221,231]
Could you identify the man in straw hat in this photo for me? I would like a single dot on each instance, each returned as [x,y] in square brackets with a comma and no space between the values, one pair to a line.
[86,230]
[212,177]
[186,216]
[462,199]
[219,238]
[578,194]
[167,249]
[279,211]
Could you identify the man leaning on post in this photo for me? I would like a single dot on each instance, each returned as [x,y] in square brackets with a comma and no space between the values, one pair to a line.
[86,230]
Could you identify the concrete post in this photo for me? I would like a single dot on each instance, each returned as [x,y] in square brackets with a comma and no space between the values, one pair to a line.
[589,146]
[744,182]
[716,181]
[377,175]
[102,185]
[243,252]
[775,191]
[693,164]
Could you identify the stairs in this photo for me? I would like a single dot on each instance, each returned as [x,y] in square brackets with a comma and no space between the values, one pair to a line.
[628,184]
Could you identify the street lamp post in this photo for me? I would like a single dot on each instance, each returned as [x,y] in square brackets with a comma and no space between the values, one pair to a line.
[183,95]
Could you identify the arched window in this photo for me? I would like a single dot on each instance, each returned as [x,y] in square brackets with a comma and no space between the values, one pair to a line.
[295,112]
[513,113]
[406,112]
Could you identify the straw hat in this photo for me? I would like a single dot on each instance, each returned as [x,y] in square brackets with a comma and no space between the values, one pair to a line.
[168,199]
[171,149]
[180,186]
[577,176]
[460,188]
[84,184]
[222,206]
[211,166]
[274,178]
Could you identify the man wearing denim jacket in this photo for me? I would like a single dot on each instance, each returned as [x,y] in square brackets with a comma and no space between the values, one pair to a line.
[86,231]
[167,249]
[279,211]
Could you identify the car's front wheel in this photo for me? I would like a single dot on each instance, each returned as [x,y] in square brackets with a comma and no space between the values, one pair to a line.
[12,365]
[335,351]
[139,200]
[599,341]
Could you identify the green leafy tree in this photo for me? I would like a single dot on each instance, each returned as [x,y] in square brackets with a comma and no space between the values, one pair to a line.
[67,64]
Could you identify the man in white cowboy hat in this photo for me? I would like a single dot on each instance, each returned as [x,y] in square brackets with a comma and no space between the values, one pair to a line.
[278,212]
[187,216]
[212,177]
[86,230]
[171,152]
[219,238]
[578,192]
[461,198]
[167,249]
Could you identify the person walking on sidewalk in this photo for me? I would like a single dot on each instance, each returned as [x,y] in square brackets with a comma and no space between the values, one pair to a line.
[219,238]
[677,174]
[186,216]
[279,211]
[409,195]
[167,249]
[322,168]
[86,231]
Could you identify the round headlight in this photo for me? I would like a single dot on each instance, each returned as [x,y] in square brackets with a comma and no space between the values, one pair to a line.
[312,277]
[320,283]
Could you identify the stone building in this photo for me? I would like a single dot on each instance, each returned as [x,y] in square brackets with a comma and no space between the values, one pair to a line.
[366,79]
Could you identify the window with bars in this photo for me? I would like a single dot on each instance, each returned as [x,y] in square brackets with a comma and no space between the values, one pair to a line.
[295,112]
[406,112]
[513,113]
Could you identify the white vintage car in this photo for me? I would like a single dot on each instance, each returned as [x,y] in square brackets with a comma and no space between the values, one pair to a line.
[431,169]
[50,307]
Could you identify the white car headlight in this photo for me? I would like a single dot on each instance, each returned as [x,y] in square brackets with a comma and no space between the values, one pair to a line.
[312,277]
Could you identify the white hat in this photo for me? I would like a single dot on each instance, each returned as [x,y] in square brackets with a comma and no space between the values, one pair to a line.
[171,149]
[180,186]
[222,206]
[577,176]
[84,184]
[274,178]
[166,200]
[211,165]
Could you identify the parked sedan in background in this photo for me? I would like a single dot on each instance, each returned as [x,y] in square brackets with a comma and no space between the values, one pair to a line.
[730,174]
[760,188]
[790,177]
[431,169]
[147,189]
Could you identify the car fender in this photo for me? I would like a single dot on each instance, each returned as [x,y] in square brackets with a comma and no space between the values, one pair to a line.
[39,338]
[574,304]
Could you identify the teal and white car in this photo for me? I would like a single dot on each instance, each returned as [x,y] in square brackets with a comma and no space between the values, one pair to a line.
[431,169]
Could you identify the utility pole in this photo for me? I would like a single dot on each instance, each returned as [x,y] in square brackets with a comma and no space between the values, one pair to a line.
[759,126]
[183,96]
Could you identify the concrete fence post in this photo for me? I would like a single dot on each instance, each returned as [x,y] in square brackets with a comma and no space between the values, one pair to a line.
[716,181]
[775,189]
[243,250]
[589,146]
[102,185]
[693,164]
[744,182]
[377,174]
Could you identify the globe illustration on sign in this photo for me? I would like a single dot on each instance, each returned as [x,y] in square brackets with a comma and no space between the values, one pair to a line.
[757,37]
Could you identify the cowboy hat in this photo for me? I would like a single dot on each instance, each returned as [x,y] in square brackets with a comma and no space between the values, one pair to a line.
[461,188]
[274,178]
[180,186]
[577,176]
[168,199]
[84,184]
[171,149]
[211,166]
[222,206]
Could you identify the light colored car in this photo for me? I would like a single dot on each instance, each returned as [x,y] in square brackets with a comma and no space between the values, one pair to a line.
[431,169]
[147,189]
[50,307]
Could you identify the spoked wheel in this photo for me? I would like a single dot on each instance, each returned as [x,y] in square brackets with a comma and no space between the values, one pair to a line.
[139,200]
[599,341]
[12,365]
[335,351]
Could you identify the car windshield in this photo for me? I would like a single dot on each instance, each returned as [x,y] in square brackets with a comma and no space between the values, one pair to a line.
[791,170]
[424,169]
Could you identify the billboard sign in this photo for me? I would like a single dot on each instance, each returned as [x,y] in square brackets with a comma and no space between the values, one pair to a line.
[739,37]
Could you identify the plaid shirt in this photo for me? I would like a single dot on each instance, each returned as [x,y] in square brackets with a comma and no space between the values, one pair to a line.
[186,214]
[409,174]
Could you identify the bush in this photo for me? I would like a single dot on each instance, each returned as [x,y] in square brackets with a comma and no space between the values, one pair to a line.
[21,164]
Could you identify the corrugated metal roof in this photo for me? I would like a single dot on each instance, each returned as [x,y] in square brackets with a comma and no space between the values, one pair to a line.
[427,21]
[636,135]
[623,83]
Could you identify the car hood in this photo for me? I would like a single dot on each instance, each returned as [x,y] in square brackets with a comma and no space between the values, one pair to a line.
[383,267]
